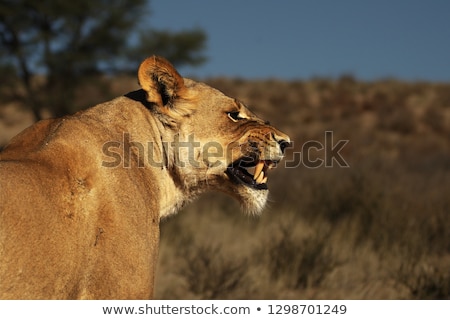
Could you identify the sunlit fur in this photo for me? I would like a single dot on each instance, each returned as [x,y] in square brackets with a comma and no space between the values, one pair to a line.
[75,224]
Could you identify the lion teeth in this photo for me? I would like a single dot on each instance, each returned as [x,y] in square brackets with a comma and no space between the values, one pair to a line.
[264,180]
[258,169]
[260,178]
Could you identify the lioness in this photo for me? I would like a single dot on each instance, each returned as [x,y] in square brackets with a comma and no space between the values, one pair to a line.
[82,196]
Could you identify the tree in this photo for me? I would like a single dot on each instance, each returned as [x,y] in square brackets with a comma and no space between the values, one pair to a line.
[73,42]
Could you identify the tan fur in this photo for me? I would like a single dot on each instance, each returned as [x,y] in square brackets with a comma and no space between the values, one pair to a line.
[76,225]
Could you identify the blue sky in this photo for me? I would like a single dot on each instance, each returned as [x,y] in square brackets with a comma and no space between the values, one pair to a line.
[408,40]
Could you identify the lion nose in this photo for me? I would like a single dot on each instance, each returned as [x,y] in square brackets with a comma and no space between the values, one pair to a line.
[282,140]
[283,145]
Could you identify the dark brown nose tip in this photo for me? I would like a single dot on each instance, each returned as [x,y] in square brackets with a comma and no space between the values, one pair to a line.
[283,145]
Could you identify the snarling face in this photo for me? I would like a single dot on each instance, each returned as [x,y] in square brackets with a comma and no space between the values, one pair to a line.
[215,142]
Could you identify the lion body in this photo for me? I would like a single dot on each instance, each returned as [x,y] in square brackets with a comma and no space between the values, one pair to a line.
[72,226]
[99,228]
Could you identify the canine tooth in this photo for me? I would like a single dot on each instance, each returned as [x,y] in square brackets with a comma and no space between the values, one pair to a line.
[264,180]
[259,167]
[260,178]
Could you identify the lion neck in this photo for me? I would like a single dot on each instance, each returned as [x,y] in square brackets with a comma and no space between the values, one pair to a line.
[181,183]
[172,199]
[173,191]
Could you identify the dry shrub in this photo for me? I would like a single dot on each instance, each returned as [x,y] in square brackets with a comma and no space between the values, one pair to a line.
[350,199]
[299,263]
[398,119]
[434,117]
[210,274]
[425,281]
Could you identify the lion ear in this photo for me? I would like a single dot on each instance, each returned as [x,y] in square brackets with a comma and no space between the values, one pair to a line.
[162,83]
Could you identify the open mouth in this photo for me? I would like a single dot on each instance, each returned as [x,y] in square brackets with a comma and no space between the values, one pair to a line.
[238,172]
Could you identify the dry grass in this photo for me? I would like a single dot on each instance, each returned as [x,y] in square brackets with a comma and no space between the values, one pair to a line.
[379,229]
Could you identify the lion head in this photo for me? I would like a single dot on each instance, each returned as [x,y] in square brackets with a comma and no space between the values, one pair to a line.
[213,142]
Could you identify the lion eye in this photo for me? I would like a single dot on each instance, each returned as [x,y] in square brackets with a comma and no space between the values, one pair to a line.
[234,115]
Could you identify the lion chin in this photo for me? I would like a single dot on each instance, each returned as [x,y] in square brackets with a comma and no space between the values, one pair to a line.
[253,201]
[82,196]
